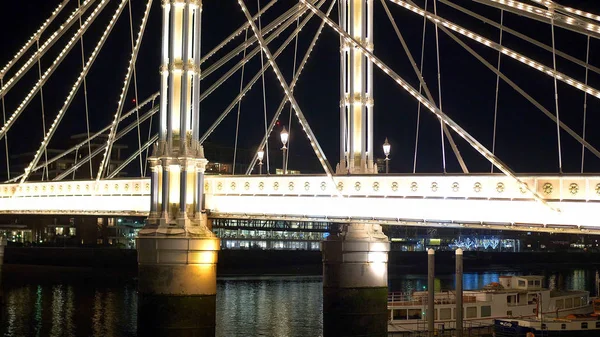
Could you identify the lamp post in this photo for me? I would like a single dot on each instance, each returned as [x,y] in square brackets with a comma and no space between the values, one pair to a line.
[284,139]
[386,150]
[260,154]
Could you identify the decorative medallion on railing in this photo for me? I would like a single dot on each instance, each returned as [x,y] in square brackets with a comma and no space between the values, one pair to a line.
[340,186]
[276,186]
[547,188]
[477,187]
[574,189]
[357,186]
[500,187]
[434,187]
[375,186]
[455,187]
[247,185]
[414,186]
[291,185]
[306,186]
[323,186]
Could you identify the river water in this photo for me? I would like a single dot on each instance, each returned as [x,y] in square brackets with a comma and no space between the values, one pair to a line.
[45,301]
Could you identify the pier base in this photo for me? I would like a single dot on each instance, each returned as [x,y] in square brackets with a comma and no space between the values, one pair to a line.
[177,285]
[355,286]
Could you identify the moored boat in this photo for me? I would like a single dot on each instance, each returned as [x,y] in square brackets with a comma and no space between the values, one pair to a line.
[570,326]
[519,297]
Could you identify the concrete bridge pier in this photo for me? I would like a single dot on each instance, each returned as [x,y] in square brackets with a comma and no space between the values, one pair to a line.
[177,285]
[355,285]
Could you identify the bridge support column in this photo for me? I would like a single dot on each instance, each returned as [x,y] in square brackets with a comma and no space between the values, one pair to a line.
[355,287]
[177,285]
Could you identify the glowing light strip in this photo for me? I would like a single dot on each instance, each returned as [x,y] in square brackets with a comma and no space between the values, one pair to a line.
[582,27]
[251,54]
[292,86]
[82,143]
[429,105]
[301,119]
[284,20]
[72,93]
[506,51]
[130,67]
[105,145]
[33,38]
[521,36]
[239,31]
[74,17]
[52,68]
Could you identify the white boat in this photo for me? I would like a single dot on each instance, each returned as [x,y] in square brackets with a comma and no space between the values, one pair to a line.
[512,297]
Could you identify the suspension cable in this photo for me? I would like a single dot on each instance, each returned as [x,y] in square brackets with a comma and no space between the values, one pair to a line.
[135,88]
[103,147]
[430,106]
[263,88]
[57,61]
[287,153]
[560,170]
[409,5]
[92,137]
[587,60]
[35,37]
[294,80]
[256,77]
[424,86]
[439,80]
[301,118]
[39,64]
[420,92]
[239,110]
[49,43]
[85,97]
[105,162]
[497,88]
[149,135]
[73,91]
[76,153]
[518,89]
[6,136]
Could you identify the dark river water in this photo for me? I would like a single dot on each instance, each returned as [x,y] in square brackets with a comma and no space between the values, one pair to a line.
[45,301]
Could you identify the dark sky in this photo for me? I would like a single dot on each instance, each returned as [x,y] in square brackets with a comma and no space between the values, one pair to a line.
[526,139]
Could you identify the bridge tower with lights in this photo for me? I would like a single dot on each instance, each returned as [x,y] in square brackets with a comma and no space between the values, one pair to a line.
[177,252]
[355,286]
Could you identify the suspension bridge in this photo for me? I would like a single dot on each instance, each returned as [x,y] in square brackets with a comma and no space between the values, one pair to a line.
[351,190]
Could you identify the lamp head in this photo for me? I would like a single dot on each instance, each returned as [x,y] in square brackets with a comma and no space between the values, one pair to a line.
[284,136]
[386,147]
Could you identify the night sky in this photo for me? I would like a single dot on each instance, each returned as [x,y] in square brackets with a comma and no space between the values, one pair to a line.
[526,139]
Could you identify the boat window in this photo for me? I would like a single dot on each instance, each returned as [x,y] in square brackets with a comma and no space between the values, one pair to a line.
[414,313]
[560,304]
[544,327]
[568,303]
[521,283]
[538,283]
[509,313]
[577,301]
[471,312]
[563,326]
[530,283]
[584,325]
[400,313]
[597,324]
[486,310]
[445,313]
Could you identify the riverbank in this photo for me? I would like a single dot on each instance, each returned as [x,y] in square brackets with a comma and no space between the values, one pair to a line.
[287,262]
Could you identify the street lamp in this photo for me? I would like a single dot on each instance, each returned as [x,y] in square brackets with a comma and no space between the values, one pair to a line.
[386,150]
[260,154]
[284,139]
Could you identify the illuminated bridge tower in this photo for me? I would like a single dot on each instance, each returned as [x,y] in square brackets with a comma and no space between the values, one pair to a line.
[177,252]
[355,287]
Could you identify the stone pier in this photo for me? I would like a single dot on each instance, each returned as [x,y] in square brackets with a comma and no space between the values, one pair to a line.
[355,285]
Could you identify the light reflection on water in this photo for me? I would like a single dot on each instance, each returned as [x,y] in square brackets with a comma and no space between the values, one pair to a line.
[257,306]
